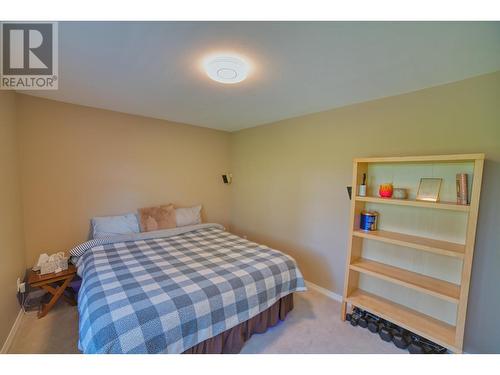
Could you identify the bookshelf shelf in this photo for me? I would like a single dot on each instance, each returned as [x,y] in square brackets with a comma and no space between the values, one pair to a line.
[425,284]
[414,203]
[424,325]
[421,243]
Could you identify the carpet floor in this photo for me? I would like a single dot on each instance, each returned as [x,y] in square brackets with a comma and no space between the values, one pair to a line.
[314,326]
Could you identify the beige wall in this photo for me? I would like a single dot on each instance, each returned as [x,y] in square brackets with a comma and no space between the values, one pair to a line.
[290,177]
[11,236]
[78,162]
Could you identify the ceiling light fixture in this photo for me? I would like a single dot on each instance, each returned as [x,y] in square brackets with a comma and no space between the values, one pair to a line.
[226,68]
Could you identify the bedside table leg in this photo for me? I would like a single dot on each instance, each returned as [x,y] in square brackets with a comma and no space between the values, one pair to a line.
[56,294]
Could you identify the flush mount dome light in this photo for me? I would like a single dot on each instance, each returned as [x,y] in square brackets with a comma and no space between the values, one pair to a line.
[226,68]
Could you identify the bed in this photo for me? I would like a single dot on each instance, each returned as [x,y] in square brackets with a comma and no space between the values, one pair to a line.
[195,289]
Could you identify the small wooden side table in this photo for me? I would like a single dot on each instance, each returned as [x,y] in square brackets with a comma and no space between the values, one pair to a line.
[62,279]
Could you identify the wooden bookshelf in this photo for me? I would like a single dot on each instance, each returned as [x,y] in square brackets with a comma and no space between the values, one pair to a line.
[430,327]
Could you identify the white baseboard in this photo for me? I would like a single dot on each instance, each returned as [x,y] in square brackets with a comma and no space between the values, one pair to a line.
[324,291]
[12,333]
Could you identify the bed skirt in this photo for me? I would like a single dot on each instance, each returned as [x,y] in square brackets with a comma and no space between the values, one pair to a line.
[232,340]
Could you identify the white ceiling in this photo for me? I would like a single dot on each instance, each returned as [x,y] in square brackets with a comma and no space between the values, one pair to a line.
[152,68]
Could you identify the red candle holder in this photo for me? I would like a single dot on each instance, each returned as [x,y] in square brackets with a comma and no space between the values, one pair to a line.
[385,190]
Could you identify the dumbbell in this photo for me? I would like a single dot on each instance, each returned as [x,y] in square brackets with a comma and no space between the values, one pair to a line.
[352,318]
[415,348]
[419,345]
[385,331]
[430,347]
[363,322]
[373,322]
[358,311]
[355,316]
[373,326]
[401,338]
[438,349]
[418,348]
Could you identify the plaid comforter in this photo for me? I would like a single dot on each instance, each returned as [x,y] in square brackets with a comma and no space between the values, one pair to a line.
[167,294]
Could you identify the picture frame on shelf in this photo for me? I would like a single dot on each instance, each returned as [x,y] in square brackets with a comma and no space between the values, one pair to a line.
[428,189]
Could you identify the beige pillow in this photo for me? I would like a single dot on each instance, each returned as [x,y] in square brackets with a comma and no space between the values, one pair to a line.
[188,216]
[156,218]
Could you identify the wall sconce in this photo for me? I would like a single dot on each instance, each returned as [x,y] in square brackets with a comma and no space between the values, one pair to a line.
[227,178]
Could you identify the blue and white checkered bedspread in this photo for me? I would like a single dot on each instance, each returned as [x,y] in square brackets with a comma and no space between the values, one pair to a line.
[165,295]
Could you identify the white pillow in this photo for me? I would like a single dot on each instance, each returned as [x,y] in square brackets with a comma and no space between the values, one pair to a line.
[188,216]
[107,226]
